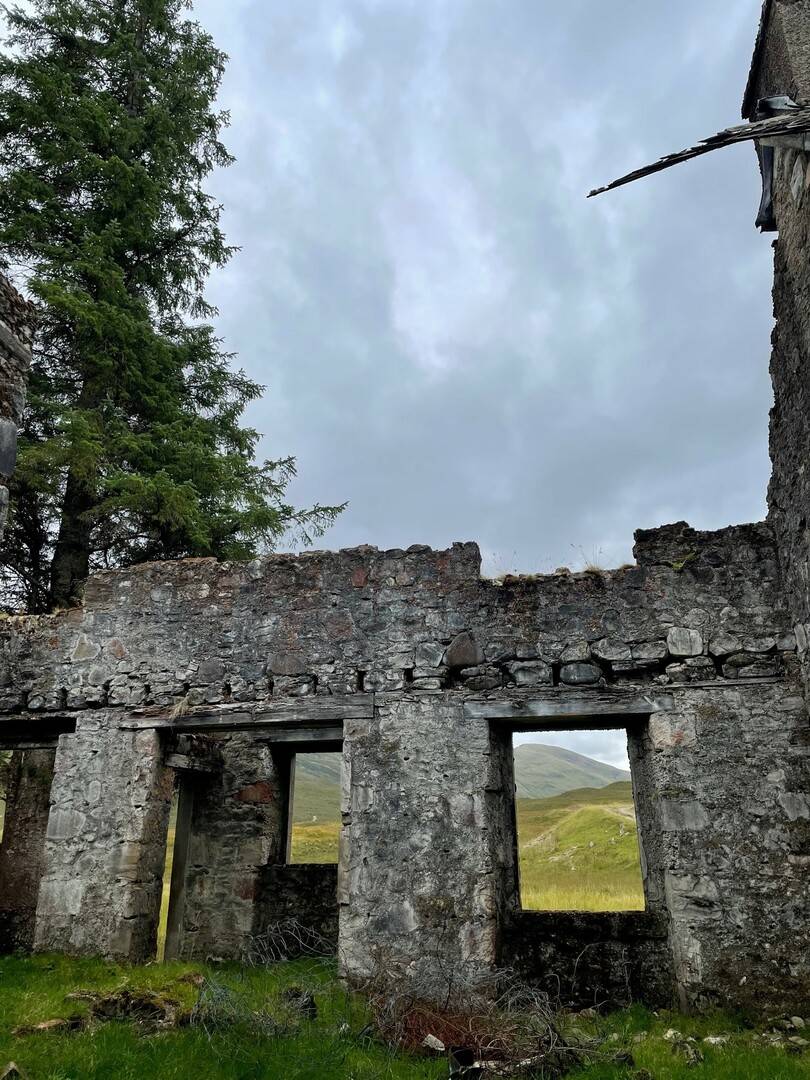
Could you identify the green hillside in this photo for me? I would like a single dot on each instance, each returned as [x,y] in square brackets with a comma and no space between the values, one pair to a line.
[579,851]
[541,771]
[317,787]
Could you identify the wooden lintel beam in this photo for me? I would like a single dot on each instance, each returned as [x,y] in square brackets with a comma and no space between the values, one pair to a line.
[298,712]
[192,764]
[30,744]
[330,734]
[569,706]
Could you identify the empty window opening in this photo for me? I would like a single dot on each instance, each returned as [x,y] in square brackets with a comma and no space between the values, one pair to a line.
[315,807]
[577,835]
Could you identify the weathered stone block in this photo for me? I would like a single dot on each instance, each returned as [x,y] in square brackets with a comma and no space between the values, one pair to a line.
[611,649]
[683,641]
[580,674]
[724,644]
[692,669]
[649,652]
[429,654]
[483,677]
[530,672]
[464,651]
[577,652]
[749,666]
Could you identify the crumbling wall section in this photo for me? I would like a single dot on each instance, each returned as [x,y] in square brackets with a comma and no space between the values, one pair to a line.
[237,828]
[418,877]
[782,55]
[698,606]
[789,492]
[17,322]
[296,911]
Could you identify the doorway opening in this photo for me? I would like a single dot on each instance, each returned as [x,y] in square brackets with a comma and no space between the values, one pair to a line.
[27,776]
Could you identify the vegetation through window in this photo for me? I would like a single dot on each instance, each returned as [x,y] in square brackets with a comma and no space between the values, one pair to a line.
[315,808]
[578,844]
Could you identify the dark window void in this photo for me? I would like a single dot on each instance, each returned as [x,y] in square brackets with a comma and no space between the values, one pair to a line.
[577,836]
[315,807]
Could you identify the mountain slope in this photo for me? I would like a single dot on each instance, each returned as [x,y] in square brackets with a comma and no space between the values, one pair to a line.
[541,771]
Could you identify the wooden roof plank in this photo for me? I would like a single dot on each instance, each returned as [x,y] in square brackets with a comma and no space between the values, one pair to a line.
[794,122]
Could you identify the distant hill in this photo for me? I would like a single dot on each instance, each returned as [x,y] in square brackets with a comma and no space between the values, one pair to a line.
[540,771]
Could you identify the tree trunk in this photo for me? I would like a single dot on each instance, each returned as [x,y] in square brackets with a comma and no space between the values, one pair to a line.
[71,556]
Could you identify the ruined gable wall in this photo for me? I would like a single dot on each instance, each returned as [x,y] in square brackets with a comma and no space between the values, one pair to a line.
[781,62]
[16,334]
[698,628]
[784,68]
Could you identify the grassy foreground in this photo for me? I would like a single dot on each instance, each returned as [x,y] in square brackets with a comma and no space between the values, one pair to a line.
[336,1044]
[231,1047]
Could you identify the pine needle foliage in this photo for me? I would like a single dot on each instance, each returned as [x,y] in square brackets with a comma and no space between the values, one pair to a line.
[132,447]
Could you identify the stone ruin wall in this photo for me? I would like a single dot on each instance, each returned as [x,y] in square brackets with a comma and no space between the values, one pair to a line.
[692,648]
[698,649]
[17,322]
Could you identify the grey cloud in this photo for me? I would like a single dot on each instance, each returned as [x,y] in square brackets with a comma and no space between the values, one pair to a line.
[453,338]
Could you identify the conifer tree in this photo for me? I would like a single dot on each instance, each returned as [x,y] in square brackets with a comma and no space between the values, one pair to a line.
[132,446]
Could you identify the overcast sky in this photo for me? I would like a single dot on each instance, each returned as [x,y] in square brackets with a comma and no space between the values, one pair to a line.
[453,338]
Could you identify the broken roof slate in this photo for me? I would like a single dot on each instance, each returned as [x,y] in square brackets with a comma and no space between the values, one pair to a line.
[792,123]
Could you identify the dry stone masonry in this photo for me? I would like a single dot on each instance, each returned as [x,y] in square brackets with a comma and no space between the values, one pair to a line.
[207,678]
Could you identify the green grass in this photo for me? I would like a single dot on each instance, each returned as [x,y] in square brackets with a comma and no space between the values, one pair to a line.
[315,798]
[640,1033]
[316,842]
[579,851]
[332,1047]
[335,1046]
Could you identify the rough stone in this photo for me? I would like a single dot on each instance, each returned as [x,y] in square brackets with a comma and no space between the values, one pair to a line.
[530,672]
[580,674]
[463,652]
[611,649]
[693,669]
[683,641]
[578,652]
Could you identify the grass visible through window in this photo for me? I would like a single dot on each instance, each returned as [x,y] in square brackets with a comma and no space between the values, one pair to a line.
[578,848]
[316,808]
